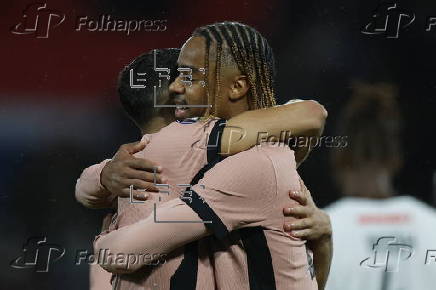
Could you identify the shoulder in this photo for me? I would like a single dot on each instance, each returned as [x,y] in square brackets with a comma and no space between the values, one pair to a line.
[413,204]
[254,160]
[245,170]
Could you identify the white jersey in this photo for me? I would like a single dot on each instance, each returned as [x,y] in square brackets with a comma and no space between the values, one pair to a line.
[385,244]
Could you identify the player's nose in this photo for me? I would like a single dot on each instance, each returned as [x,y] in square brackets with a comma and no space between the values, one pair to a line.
[177,87]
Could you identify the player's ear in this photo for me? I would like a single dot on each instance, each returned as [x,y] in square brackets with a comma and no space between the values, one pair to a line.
[239,88]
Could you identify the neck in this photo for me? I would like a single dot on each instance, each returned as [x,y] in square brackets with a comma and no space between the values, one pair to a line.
[233,108]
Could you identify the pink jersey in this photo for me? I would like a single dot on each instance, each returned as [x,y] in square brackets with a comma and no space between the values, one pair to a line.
[87,185]
[240,202]
[243,197]
[181,149]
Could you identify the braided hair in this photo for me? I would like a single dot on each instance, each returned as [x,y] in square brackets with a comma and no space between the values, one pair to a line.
[251,53]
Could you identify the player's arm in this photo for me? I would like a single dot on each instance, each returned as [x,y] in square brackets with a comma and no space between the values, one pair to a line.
[322,258]
[99,184]
[217,207]
[304,118]
[313,225]
[89,191]
[146,238]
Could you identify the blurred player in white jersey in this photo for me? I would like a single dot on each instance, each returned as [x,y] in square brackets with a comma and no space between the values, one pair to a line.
[382,241]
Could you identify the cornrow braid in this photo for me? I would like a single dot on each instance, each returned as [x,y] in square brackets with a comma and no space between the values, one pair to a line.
[250,64]
[210,98]
[241,57]
[219,43]
[256,63]
[266,52]
[234,45]
[252,54]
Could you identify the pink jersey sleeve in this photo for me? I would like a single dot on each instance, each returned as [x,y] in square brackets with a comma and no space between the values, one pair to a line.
[89,190]
[146,241]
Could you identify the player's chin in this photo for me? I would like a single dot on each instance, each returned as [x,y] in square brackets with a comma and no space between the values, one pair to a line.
[197,112]
[181,113]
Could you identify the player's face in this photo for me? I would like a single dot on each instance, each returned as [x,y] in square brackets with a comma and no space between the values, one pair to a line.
[191,56]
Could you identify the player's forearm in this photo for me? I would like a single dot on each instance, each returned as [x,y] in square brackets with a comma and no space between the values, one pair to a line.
[149,238]
[322,258]
[89,192]
[303,118]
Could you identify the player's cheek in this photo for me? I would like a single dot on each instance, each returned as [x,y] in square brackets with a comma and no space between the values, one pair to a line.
[198,95]
[190,94]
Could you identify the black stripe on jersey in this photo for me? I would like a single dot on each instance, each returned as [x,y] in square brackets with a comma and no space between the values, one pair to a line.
[259,261]
[205,213]
[213,147]
[198,204]
[185,277]
[214,142]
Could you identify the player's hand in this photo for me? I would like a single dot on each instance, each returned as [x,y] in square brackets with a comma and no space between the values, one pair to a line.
[311,223]
[125,170]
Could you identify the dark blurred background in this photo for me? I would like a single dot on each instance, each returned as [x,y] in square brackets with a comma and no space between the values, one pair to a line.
[59,110]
